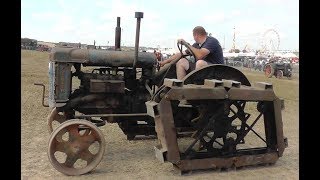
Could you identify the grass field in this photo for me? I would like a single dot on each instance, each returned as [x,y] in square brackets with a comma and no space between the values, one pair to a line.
[125,159]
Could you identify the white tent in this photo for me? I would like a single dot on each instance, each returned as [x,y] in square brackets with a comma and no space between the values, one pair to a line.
[278,54]
[230,54]
[252,54]
[289,55]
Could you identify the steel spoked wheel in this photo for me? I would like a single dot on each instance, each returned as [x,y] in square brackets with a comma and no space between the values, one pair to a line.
[229,129]
[76,147]
[57,117]
[269,71]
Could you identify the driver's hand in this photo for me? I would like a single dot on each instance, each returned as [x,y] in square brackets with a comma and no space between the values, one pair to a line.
[182,41]
[162,63]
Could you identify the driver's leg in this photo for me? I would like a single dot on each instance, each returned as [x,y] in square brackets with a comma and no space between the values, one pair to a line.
[182,66]
[201,63]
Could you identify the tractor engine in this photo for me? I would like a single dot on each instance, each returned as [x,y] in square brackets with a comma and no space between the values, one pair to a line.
[112,87]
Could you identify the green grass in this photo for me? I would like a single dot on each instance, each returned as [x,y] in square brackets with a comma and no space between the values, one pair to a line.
[35,55]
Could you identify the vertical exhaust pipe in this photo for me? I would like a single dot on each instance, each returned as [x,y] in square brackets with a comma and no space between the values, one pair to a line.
[138,15]
[118,36]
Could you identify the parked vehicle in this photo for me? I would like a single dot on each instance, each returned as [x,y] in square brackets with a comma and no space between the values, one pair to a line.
[278,70]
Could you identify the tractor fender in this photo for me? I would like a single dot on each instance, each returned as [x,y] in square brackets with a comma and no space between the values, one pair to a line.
[215,71]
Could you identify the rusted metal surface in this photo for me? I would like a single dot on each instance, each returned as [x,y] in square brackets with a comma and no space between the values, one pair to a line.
[166,131]
[230,83]
[211,90]
[43,91]
[117,41]
[59,83]
[161,153]
[191,92]
[263,85]
[152,109]
[76,147]
[93,57]
[110,115]
[55,116]
[106,86]
[216,71]
[83,100]
[250,94]
[138,15]
[213,83]
[172,83]
[214,163]
[279,126]
[232,97]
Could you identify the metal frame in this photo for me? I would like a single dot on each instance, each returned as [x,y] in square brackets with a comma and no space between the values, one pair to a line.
[168,149]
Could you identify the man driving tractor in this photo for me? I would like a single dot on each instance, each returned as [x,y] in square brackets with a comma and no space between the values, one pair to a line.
[206,51]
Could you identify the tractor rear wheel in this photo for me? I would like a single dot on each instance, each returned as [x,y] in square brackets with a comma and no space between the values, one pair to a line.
[279,74]
[268,71]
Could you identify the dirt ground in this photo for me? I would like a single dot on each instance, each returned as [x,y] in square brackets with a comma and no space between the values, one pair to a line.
[125,159]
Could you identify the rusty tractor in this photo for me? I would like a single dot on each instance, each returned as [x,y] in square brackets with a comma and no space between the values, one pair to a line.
[279,70]
[213,118]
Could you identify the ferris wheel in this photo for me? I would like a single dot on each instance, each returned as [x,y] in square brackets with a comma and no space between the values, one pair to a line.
[270,40]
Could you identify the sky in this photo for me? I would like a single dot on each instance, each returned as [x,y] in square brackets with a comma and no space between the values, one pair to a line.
[254,23]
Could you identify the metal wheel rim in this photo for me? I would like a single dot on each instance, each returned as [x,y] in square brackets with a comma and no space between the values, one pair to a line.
[54,116]
[61,167]
[268,70]
[279,74]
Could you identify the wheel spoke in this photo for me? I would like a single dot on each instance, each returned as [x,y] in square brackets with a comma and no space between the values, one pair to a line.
[206,144]
[218,143]
[213,139]
[71,159]
[87,156]
[59,146]
[77,147]
[86,131]
[90,138]
[60,134]
[73,131]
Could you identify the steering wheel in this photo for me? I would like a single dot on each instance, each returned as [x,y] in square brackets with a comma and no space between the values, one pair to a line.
[189,49]
[167,66]
[158,66]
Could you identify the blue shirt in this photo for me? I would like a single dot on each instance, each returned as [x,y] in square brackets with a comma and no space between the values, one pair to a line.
[212,44]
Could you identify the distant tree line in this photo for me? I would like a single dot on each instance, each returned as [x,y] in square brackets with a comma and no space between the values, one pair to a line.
[27,43]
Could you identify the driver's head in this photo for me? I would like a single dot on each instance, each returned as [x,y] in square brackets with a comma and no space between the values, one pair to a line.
[199,33]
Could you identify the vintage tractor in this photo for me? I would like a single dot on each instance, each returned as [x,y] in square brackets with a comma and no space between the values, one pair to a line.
[279,70]
[213,118]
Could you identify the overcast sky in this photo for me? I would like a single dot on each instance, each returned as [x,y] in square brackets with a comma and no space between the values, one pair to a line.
[163,22]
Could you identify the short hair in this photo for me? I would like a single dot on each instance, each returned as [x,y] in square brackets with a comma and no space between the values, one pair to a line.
[199,30]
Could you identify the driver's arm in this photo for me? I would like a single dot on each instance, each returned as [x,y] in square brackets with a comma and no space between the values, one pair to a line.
[175,56]
[199,53]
